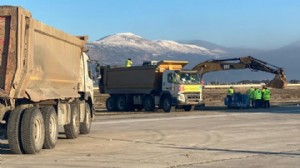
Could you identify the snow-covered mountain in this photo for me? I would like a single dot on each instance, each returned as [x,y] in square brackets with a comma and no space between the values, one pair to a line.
[115,49]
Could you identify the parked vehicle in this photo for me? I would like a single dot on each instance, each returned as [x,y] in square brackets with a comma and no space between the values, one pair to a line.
[148,87]
[45,82]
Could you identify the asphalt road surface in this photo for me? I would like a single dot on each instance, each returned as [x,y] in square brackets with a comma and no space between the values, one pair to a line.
[211,138]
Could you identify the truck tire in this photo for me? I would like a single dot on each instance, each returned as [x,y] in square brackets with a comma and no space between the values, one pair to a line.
[111,104]
[138,107]
[121,103]
[51,127]
[72,129]
[167,104]
[149,103]
[85,126]
[187,108]
[13,131]
[32,130]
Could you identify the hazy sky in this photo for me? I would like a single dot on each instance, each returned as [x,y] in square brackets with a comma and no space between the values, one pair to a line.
[247,23]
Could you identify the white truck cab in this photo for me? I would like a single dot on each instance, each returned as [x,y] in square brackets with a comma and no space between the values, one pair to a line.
[184,86]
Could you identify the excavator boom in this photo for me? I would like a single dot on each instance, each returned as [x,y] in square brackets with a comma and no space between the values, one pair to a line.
[244,63]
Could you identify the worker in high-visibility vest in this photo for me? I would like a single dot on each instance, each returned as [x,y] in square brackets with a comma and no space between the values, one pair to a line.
[262,96]
[267,97]
[250,93]
[257,97]
[128,63]
[230,92]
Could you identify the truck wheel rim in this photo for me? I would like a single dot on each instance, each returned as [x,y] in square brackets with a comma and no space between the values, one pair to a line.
[76,123]
[166,103]
[121,104]
[37,131]
[88,119]
[110,104]
[148,103]
[52,128]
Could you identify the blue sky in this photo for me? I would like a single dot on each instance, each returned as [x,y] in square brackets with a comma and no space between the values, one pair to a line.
[264,24]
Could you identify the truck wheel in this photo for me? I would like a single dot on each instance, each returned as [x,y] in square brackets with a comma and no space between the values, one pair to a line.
[72,129]
[167,104]
[51,127]
[32,130]
[121,103]
[149,103]
[85,126]
[138,107]
[13,131]
[187,108]
[111,104]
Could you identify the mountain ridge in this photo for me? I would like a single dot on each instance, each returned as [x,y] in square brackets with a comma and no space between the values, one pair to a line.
[115,49]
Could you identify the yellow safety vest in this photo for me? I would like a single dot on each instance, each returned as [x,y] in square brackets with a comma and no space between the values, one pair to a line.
[230,91]
[128,63]
[267,94]
[257,94]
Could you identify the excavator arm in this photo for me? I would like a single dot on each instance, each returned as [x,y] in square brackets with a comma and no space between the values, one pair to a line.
[244,63]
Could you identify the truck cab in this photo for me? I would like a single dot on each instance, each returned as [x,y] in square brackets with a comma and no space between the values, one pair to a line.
[183,87]
[86,85]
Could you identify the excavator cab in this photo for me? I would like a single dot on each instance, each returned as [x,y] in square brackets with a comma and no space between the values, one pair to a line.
[249,62]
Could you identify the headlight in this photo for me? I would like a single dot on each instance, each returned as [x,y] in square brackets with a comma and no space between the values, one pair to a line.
[181,98]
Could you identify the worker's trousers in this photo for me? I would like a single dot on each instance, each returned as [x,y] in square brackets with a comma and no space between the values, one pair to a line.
[252,103]
[267,103]
[257,103]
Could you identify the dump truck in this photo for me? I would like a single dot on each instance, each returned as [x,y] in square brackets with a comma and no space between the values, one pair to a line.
[164,85]
[45,83]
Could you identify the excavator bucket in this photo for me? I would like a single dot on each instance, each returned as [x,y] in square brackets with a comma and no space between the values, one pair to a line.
[278,82]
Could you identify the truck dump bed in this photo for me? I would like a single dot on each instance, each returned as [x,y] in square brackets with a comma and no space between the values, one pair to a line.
[138,79]
[37,61]
[142,79]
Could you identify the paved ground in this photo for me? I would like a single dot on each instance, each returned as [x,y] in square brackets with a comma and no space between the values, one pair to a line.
[211,138]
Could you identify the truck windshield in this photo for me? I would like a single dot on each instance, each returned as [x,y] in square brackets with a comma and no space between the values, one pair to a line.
[188,78]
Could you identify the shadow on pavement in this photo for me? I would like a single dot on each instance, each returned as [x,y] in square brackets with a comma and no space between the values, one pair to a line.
[4,147]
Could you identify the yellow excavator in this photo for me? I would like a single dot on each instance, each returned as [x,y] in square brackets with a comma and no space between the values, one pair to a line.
[248,62]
